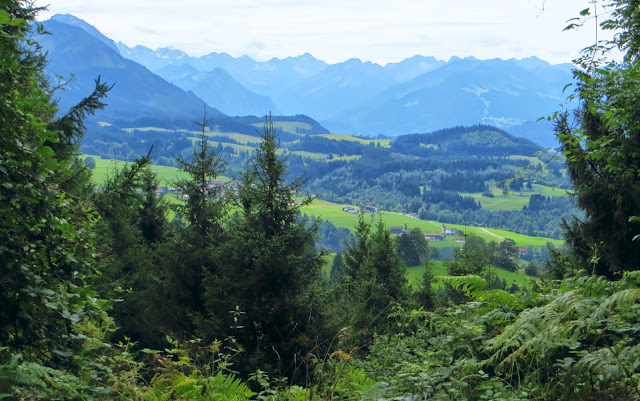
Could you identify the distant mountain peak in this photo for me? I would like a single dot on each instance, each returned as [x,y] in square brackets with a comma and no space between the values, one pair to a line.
[72,20]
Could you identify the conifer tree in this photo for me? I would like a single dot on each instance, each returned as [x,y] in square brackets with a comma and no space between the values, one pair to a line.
[191,254]
[337,268]
[268,265]
[602,149]
[374,279]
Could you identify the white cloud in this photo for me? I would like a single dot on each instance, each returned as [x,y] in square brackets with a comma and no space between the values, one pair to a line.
[335,30]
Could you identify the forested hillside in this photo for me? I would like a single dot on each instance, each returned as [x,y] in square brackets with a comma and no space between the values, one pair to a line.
[116,293]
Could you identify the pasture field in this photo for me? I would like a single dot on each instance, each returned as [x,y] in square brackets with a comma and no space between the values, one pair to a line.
[287,126]
[414,275]
[385,143]
[242,139]
[105,168]
[533,161]
[525,240]
[514,200]
[333,212]
[145,129]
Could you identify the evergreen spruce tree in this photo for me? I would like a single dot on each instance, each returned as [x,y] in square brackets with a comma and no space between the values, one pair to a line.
[426,295]
[269,263]
[191,254]
[337,268]
[602,149]
[129,235]
[374,279]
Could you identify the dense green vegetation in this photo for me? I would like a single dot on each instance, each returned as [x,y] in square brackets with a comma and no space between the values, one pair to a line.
[106,298]
[450,176]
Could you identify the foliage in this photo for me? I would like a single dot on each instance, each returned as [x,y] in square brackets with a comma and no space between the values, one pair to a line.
[601,151]
[373,282]
[268,267]
[412,247]
[52,323]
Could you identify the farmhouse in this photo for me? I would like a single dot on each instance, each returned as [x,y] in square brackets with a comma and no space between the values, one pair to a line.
[350,209]
[396,230]
[459,241]
[433,236]
[371,209]
[450,230]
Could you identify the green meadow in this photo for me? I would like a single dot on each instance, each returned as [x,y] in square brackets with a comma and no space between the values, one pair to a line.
[385,143]
[333,212]
[105,168]
[414,274]
[287,126]
[514,200]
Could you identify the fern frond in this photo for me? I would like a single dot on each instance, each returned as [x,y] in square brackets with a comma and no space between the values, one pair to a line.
[617,300]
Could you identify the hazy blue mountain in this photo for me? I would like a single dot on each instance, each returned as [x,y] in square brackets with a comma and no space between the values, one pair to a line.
[138,93]
[339,87]
[540,132]
[412,67]
[419,94]
[88,28]
[503,93]
[219,90]
[267,78]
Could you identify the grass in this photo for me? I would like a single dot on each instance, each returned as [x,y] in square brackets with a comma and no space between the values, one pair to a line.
[287,126]
[414,275]
[105,168]
[242,139]
[514,200]
[333,212]
[525,240]
[385,143]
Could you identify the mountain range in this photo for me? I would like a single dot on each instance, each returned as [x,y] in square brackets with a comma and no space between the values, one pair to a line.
[417,95]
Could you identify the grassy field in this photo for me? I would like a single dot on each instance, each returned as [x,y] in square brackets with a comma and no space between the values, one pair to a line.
[385,143]
[105,168]
[514,200]
[242,139]
[333,212]
[287,126]
[414,275]
[525,240]
[165,174]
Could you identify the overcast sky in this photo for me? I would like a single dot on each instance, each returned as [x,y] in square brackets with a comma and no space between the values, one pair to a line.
[336,30]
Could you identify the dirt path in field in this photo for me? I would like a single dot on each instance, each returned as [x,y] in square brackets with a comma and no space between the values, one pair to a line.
[490,233]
